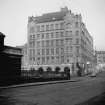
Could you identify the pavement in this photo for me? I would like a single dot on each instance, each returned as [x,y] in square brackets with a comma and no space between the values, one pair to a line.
[73,79]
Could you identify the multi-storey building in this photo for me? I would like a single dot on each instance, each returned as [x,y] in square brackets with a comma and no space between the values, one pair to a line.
[100,56]
[58,39]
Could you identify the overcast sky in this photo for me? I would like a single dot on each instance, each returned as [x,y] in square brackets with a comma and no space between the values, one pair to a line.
[14,17]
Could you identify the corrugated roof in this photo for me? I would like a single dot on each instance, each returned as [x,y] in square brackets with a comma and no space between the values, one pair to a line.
[55,16]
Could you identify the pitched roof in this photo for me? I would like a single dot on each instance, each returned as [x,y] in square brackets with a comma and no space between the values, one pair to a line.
[55,16]
[1,34]
[12,50]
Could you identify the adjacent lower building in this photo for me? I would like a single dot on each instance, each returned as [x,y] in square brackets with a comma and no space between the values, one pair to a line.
[10,62]
[24,60]
[58,39]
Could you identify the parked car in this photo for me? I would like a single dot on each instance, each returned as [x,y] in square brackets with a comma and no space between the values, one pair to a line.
[93,74]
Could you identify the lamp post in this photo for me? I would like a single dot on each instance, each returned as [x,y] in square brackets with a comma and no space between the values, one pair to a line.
[87,65]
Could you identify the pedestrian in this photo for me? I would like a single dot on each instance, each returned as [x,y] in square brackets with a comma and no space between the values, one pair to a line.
[68,75]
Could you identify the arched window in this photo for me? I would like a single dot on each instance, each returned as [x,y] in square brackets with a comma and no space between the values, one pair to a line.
[66,69]
[40,70]
[57,69]
[49,69]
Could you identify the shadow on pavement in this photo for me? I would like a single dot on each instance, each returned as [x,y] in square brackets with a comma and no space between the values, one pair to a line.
[98,100]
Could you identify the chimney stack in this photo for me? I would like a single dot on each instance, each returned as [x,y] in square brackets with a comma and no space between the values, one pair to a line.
[2,36]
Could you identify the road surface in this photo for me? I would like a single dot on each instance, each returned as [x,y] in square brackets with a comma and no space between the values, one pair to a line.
[70,93]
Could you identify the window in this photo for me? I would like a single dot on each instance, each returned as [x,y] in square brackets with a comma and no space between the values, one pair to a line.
[47,27]
[52,59]
[62,59]
[30,58]
[38,28]
[57,59]
[67,59]
[67,33]
[71,48]
[77,41]
[32,29]
[76,16]
[67,49]
[52,51]
[62,34]
[62,42]
[57,42]
[70,40]
[33,43]
[70,33]
[47,51]
[56,26]
[57,34]
[33,36]
[38,51]
[77,49]
[67,40]
[43,43]
[42,28]
[68,25]
[47,43]
[42,35]
[25,51]
[62,51]
[47,59]
[52,35]
[31,52]
[38,43]
[51,27]
[30,43]
[33,58]
[38,36]
[43,60]
[47,35]
[77,33]
[62,25]
[52,42]
[57,50]
[38,60]
[43,51]
[76,24]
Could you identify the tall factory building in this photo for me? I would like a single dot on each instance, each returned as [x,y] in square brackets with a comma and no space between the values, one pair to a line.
[58,40]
